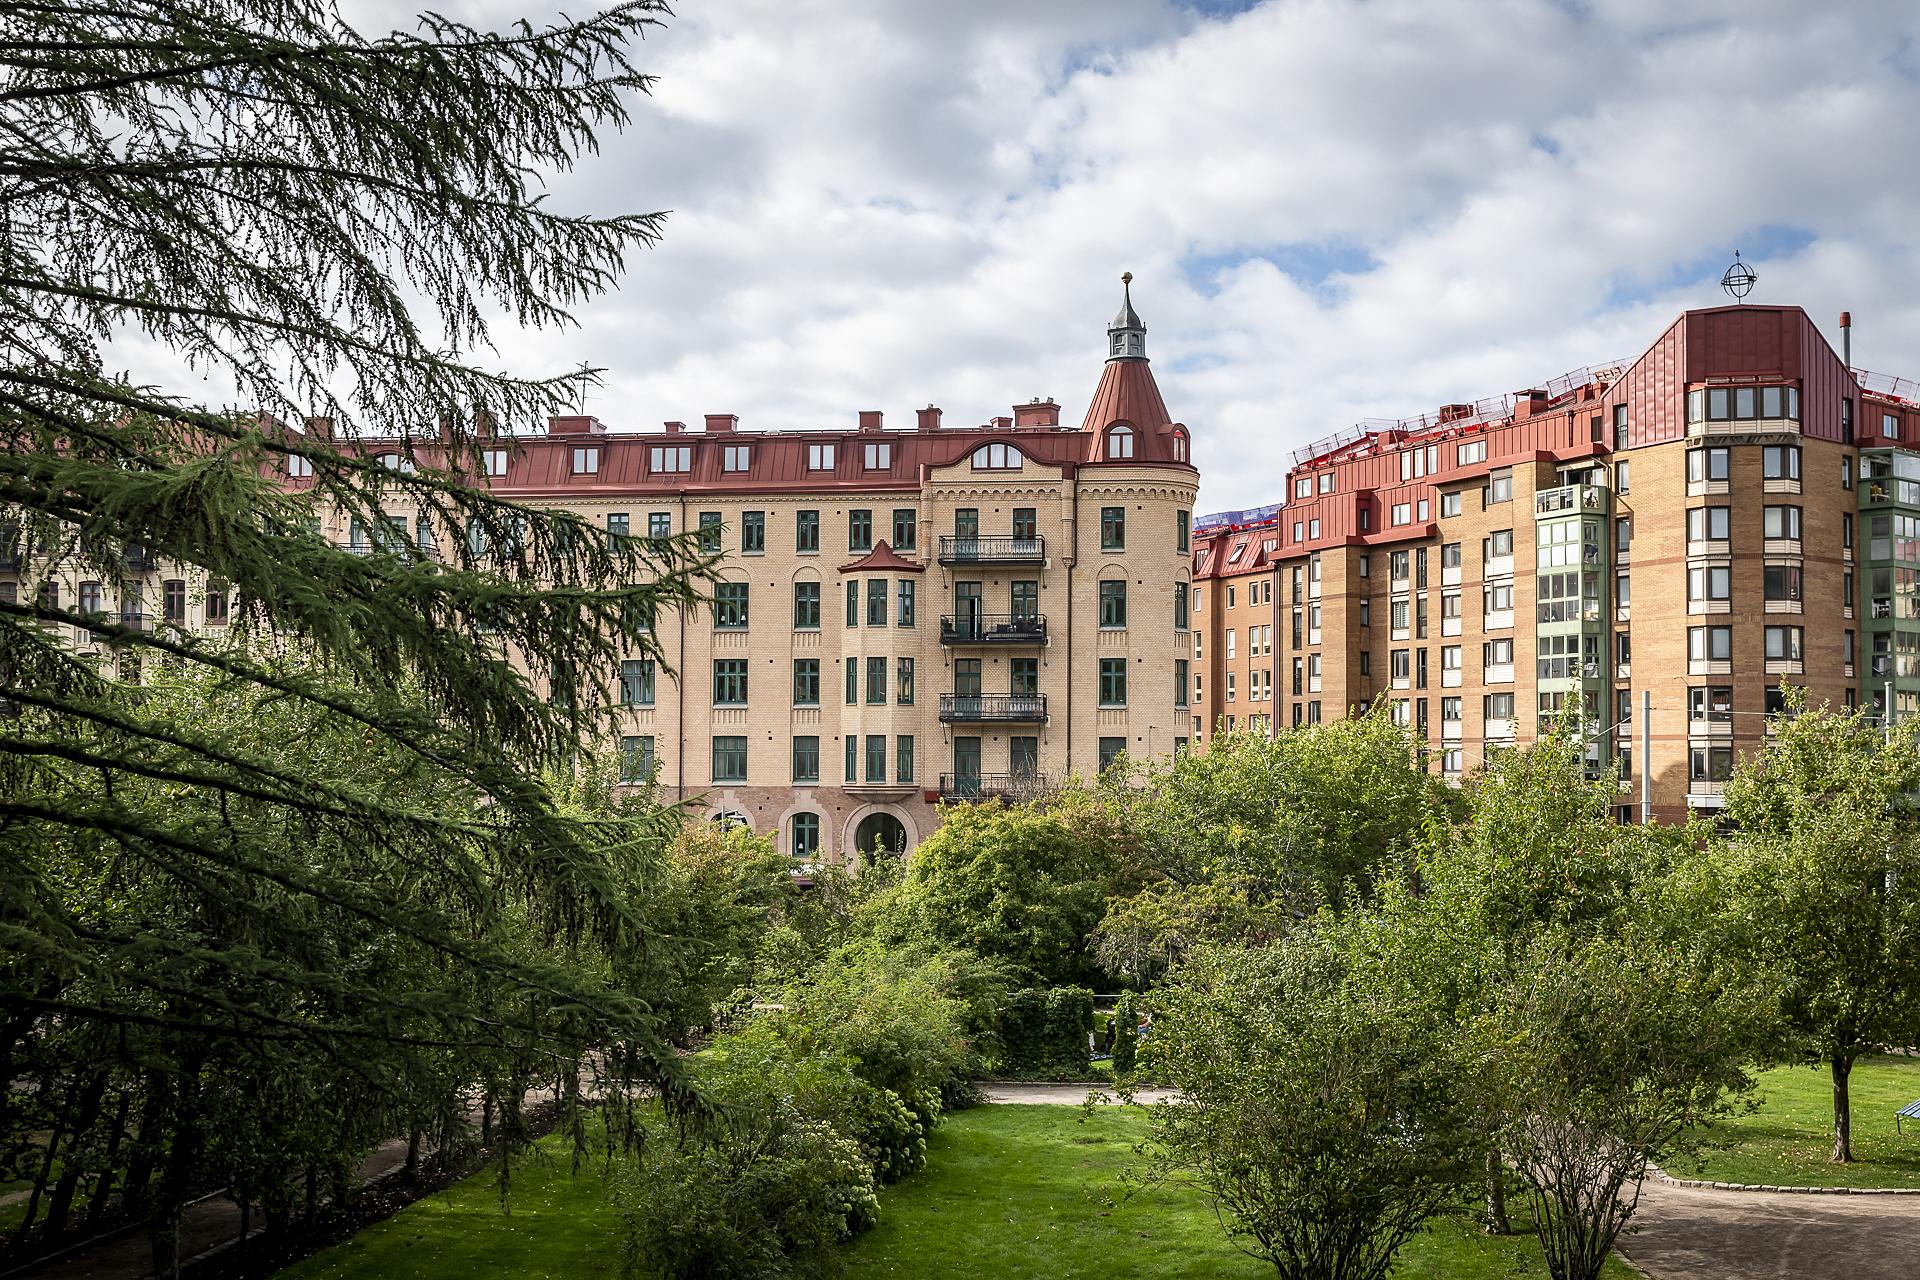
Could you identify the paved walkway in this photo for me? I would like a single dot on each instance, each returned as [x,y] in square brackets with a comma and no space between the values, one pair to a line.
[1697,1233]
[1064,1095]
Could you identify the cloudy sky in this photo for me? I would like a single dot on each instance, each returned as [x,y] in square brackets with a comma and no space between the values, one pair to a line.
[1332,210]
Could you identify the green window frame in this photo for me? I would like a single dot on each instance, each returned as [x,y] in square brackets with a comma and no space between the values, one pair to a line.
[730,759]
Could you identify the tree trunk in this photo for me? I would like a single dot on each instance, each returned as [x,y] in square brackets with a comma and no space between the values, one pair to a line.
[1496,1217]
[103,1189]
[87,1115]
[1842,1111]
[412,1171]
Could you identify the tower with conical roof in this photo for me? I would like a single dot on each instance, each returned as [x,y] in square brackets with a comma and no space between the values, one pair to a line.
[1126,336]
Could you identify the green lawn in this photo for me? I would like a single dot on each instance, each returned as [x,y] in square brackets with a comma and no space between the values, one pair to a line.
[1786,1142]
[1009,1192]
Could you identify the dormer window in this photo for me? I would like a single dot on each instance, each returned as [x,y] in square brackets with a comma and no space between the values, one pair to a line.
[1179,446]
[299,468]
[736,458]
[877,457]
[586,460]
[395,462]
[819,457]
[997,457]
[668,459]
[495,461]
[1119,441]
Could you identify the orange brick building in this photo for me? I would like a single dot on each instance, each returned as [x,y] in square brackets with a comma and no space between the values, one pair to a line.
[1733,511]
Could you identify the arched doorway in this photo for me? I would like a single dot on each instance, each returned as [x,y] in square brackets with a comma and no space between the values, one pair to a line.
[880,830]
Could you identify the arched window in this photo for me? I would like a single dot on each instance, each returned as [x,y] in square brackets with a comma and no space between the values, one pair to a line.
[804,837]
[996,457]
[731,818]
[1179,446]
[1119,441]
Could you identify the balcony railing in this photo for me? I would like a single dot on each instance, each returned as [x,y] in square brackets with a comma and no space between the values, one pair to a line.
[995,550]
[993,628]
[988,786]
[984,708]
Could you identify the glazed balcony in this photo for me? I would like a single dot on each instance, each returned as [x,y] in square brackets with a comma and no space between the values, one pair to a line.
[993,628]
[993,550]
[993,708]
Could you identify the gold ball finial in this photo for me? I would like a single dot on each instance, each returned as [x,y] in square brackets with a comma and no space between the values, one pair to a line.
[1126,277]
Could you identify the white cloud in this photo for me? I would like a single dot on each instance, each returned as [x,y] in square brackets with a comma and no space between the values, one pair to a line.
[1334,209]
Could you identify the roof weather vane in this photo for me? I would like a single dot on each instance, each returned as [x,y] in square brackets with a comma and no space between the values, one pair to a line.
[1738,281]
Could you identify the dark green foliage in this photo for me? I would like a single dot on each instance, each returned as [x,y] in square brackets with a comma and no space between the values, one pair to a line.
[1043,1033]
[1126,1034]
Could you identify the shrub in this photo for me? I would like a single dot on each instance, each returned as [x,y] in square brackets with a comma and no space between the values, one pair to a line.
[1043,1033]
[1126,1040]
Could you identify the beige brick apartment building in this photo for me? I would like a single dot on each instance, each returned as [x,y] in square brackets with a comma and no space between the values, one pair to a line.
[905,616]
[1733,511]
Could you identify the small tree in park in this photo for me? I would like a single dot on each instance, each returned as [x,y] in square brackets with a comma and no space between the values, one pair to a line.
[1316,1105]
[1825,879]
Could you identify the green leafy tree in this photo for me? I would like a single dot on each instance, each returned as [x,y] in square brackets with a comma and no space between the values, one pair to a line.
[336,847]
[1316,1105]
[1825,887]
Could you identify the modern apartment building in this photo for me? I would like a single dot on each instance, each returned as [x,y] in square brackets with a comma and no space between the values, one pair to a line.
[1734,511]
[905,616]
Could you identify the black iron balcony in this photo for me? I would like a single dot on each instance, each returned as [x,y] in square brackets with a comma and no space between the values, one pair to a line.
[993,708]
[996,550]
[993,628]
[140,558]
[991,786]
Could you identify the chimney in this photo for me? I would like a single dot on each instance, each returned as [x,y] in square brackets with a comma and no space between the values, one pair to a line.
[320,428]
[928,419]
[870,420]
[1454,412]
[1001,424]
[577,424]
[721,424]
[676,428]
[1846,339]
[485,425]
[1039,413]
[1529,402]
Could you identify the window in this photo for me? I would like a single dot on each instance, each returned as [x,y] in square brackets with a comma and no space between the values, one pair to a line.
[1025,677]
[903,758]
[710,525]
[876,602]
[1498,543]
[214,609]
[586,460]
[1119,441]
[1497,653]
[1111,749]
[1710,644]
[1622,477]
[736,458]
[753,533]
[905,618]
[876,757]
[1783,582]
[859,530]
[903,681]
[820,457]
[670,459]
[806,532]
[805,839]
[906,528]
[1113,528]
[659,524]
[1709,763]
[1499,486]
[806,606]
[730,682]
[1709,582]
[1180,616]
[1113,604]
[877,455]
[1471,452]
[1026,524]
[853,682]
[876,682]
[1708,524]
[1402,513]
[636,758]
[1450,504]
[1303,487]
[173,601]
[1783,522]
[1890,426]
[1780,462]
[1846,473]
[1113,682]
[1705,465]
[730,605]
[1712,703]
[806,758]
[1783,644]
[853,757]
[996,457]
[636,682]
[93,601]
[806,682]
[1498,706]
[1619,426]
[1180,682]
[730,759]
[493,460]
[853,602]
[1497,597]
[1183,531]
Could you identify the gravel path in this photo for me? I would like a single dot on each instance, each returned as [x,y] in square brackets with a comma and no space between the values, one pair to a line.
[1063,1095]
[1697,1233]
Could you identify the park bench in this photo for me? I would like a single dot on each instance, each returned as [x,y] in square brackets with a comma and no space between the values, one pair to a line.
[1909,1112]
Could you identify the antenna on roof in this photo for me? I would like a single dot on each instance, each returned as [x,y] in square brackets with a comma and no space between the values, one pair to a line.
[584,380]
[1738,281]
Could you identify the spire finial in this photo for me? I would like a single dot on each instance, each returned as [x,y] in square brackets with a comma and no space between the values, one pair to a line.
[1126,277]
